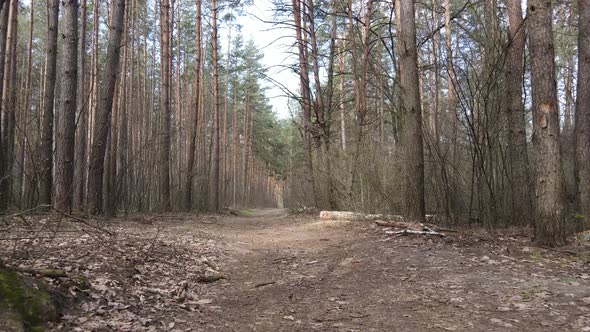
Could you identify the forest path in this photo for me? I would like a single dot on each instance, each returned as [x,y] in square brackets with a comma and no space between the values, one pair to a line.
[293,274]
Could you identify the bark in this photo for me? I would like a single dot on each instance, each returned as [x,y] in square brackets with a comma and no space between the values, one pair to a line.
[102,120]
[522,205]
[342,107]
[4,11]
[582,115]
[235,144]
[165,106]
[95,77]
[549,214]
[412,114]
[67,119]
[225,170]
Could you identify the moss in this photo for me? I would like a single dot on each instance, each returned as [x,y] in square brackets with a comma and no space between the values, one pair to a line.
[247,212]
[27,300]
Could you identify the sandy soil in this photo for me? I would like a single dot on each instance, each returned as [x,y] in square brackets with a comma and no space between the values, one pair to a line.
[290,274]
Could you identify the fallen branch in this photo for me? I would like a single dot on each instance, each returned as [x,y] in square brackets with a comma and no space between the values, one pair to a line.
[414,232]
[413,226]
[208,278]
[80,220]
[400,224]
[262,284]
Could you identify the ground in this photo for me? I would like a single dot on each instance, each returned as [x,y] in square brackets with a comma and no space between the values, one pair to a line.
[291,273]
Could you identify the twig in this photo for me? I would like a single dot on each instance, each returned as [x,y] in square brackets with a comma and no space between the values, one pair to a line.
[359,316]
[262,284]
[6,229]
[152,244]
[34,237]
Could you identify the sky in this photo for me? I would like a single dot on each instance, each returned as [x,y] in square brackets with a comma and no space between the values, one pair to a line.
[275,43]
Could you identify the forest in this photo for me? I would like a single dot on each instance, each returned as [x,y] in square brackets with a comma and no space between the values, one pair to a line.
[143,133]
[447,125]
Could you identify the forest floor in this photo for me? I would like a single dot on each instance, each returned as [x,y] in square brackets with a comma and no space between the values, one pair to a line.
[297,273]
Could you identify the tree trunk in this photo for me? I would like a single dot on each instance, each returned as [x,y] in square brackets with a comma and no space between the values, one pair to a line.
[188,195]
[412,114]
[451,114]
[522,205]
[216,154]
[81,147]
[46,178]
[165,106]
[25,112]
[121,185]
[4,11]
[102,120]
[549,227]
[582,123]
[66,130]
[305,101]
[9,94]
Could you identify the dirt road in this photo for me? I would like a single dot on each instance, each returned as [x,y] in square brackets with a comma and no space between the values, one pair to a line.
[289,274]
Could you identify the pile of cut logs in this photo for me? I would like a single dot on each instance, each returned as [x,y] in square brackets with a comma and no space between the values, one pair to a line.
[396,224]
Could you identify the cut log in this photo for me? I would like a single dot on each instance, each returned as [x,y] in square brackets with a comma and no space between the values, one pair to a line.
[356,216]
